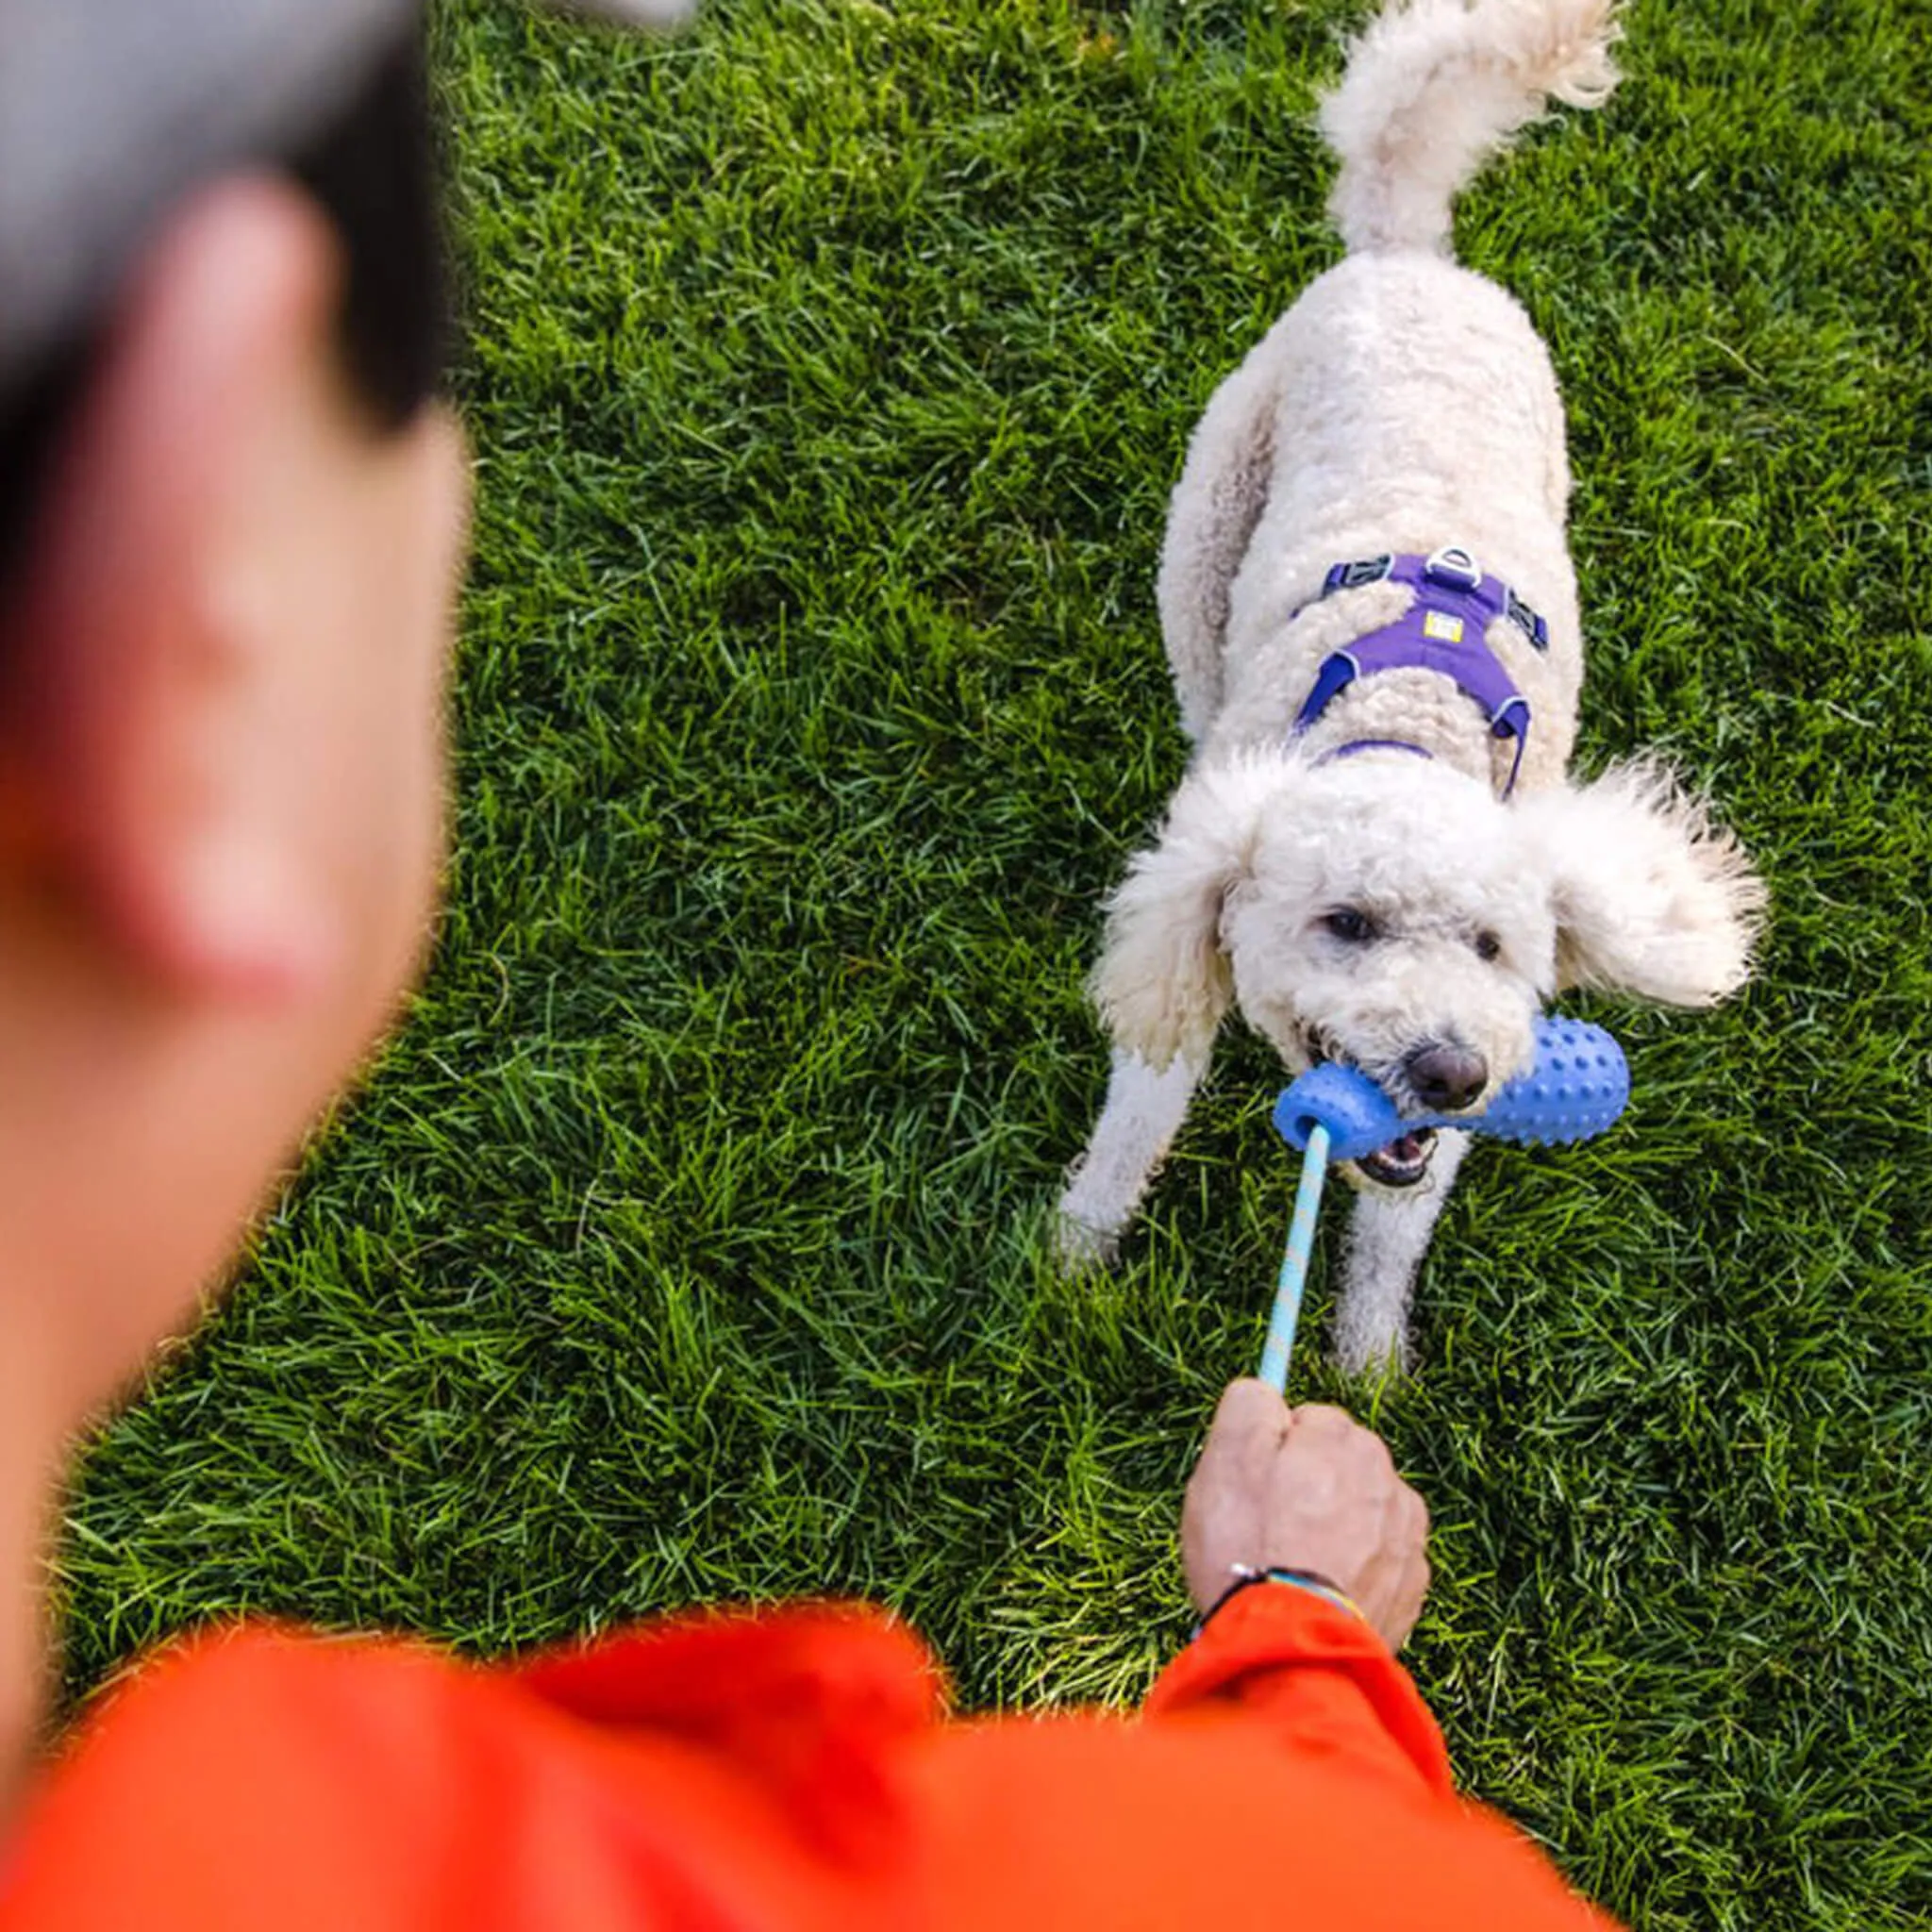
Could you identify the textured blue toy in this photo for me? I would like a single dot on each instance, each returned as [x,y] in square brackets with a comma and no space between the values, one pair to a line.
[1576,1086]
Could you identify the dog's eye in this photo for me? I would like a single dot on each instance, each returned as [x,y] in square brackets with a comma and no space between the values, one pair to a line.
[1353,928]
[1487,946]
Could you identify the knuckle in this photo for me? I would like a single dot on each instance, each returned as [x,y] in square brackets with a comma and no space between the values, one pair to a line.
[1323,1419]
[1240,1393]
[1245,1408]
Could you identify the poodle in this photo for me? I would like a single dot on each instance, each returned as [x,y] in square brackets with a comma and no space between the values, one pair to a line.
[1370,615]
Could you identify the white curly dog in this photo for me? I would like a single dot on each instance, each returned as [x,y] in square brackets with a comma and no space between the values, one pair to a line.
[1371,620]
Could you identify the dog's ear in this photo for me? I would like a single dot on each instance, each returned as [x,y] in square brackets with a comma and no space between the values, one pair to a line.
[1650,897]
[1163,982]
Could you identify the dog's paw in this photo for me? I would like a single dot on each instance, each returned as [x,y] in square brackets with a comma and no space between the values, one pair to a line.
[1364,1354]
[1081,1248]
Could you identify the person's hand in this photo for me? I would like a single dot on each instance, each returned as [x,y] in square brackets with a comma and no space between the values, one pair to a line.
[1304,1488]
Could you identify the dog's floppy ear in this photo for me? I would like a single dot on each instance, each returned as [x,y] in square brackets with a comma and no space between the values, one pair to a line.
[1650,897]
[1163,982]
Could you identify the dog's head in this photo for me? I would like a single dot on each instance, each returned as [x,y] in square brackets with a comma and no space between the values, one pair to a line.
[1393,913]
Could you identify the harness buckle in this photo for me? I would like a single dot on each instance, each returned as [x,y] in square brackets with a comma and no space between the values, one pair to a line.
[1453,565]
[1352,576]
[1528,622]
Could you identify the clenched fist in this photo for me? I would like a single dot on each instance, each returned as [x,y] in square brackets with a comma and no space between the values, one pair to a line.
[1304,1488]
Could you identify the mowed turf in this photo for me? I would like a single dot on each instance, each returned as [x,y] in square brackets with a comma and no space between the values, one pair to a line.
[828,370]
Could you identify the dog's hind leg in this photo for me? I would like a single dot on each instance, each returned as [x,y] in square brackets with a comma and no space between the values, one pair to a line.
[1143,1112]
[1387,1240]
[1211,523]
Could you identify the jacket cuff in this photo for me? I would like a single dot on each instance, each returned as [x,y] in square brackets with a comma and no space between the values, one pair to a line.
[1294,1657]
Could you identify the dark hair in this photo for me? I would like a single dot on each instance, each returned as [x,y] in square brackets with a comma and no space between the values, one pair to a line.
[373,170]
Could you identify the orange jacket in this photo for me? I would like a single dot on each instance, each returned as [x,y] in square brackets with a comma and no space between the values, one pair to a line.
[790,1770]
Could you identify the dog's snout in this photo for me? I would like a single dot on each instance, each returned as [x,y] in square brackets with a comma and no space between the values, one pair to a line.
[1446,1077]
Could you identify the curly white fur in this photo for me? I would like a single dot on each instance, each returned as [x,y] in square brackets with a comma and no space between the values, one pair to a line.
[1402,404]
[1430,94]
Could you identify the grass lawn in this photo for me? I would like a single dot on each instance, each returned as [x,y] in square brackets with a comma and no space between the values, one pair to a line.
[828,370]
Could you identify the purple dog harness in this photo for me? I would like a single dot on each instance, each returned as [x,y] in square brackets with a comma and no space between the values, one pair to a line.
[1443,630]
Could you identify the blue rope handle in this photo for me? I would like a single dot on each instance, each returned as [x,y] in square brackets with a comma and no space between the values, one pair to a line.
[1294,1262]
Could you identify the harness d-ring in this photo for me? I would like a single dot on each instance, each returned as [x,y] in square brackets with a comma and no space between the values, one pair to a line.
[1453,564]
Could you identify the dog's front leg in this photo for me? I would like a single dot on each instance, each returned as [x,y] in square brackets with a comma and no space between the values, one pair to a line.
[1144,1111]
[1387,1240]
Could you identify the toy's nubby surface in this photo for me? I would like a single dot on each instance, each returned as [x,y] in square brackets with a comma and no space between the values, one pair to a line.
[1578,1085]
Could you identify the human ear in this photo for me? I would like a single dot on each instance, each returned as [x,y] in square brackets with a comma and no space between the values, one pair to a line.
[193,561]
[1649,897]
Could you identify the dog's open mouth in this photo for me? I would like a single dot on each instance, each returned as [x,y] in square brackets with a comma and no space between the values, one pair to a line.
[1402,1162]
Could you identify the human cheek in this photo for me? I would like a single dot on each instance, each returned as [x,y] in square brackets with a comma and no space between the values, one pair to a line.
[402,665]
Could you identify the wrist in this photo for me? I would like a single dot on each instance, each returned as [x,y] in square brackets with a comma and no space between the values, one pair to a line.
[1242,1576]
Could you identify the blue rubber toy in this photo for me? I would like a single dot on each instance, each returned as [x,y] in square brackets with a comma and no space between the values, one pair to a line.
[1577,1086]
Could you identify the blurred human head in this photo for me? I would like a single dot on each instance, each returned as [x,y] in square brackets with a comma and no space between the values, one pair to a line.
[231,523]
[232,519]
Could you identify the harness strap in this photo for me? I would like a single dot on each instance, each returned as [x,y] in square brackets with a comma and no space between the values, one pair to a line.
[1441,631]
[1360,744]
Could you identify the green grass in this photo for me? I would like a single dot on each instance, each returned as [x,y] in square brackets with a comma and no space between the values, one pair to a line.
[828,370]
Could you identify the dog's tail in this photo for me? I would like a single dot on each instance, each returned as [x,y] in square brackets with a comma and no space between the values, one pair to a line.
[1434,86]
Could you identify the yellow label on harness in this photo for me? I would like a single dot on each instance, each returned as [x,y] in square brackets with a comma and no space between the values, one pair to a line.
[1438,624]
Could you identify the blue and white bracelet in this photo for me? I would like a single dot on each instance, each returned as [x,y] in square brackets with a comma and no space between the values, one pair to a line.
[1246,1576]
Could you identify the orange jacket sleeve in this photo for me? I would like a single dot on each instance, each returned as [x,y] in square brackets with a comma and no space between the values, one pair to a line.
[760,1772]
[1316,1677]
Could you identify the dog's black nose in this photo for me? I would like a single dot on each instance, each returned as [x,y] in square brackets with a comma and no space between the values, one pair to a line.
[1446,1078]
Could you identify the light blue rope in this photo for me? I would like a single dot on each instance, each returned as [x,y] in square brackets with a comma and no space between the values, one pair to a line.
[1294,1263]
